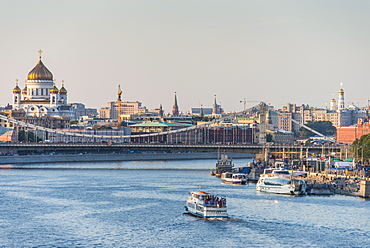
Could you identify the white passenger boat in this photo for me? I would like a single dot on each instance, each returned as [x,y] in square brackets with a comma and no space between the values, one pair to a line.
[234,178]
[281,182]
[206,205]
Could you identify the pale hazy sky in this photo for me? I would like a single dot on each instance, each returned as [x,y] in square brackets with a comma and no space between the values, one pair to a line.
[274,51]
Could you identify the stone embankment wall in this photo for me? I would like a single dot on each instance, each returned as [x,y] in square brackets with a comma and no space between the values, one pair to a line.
[57,158]
[343,185]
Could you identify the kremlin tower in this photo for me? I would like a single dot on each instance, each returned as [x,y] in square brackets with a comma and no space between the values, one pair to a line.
[215,107]
[341,104]
[333,104]
[175,108]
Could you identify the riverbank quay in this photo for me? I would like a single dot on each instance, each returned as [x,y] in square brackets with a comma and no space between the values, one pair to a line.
[326,184]
[91,157]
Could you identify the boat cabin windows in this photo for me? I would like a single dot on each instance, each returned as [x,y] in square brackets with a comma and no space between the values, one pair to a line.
[282,181]
[239,176]
[281,172]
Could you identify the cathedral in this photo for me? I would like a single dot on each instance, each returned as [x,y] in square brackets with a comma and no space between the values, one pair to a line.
[40,96]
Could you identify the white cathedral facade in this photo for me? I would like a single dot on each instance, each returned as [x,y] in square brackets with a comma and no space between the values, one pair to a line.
[40,96]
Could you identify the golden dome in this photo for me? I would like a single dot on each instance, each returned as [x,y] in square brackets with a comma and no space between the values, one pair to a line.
[54,90]
[24,91]
[16,89]
[63,90]
[40,72]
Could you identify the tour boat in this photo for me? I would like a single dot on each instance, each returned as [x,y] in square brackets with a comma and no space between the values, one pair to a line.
[281,182]
[234,178]
[206,205]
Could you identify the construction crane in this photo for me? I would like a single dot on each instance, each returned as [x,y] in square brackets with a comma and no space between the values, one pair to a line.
[361,99]
[245,103]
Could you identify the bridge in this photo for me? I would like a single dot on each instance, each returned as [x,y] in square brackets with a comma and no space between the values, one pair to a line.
[279,151]
[190,139]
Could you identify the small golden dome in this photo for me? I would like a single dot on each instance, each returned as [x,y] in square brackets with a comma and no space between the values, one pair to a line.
[24,91]
[63,90]
[16,89]
[40,72]
[54,90]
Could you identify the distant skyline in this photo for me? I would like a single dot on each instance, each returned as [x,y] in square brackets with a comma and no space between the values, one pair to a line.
[272,51]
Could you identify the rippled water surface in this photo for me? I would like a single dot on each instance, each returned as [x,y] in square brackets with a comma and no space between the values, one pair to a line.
[140,204]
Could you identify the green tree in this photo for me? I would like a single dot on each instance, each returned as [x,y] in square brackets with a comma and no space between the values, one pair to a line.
[27,136]
[324,127]
[269,137]
[32,136]
[361,147]
[22,136]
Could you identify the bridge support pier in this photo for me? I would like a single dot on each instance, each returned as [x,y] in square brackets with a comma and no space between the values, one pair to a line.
[364,189]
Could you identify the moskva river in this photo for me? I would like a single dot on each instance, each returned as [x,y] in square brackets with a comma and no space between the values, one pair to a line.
[141,204]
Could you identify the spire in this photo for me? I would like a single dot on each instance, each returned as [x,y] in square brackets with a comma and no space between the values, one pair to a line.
[175,108]
[175,104]
[214,108]
[341,104]
[119,93]
[160,110]
[40,51]
[201,111]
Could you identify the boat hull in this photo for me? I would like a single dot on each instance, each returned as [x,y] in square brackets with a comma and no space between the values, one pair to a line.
[234,181]
[234,178]
[205,211]
[279,185]
[287,189]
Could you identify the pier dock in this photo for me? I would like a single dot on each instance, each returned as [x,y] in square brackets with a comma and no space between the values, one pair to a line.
[325,184]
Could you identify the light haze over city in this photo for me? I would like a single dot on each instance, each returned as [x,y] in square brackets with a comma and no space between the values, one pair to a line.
[273,51]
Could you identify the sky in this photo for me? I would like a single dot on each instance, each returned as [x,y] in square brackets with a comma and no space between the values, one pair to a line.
[239,50]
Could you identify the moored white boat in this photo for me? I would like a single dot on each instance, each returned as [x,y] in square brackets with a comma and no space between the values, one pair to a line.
[281,182]
[234,178]
[206,205]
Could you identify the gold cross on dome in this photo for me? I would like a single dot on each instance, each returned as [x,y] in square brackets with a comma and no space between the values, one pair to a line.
[40,51]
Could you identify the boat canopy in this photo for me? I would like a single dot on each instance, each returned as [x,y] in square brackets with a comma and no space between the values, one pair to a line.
[343,165]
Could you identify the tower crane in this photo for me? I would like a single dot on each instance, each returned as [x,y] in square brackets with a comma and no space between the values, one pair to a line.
[245,103]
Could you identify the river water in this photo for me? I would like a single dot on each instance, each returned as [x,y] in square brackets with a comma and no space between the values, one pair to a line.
[141,204]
